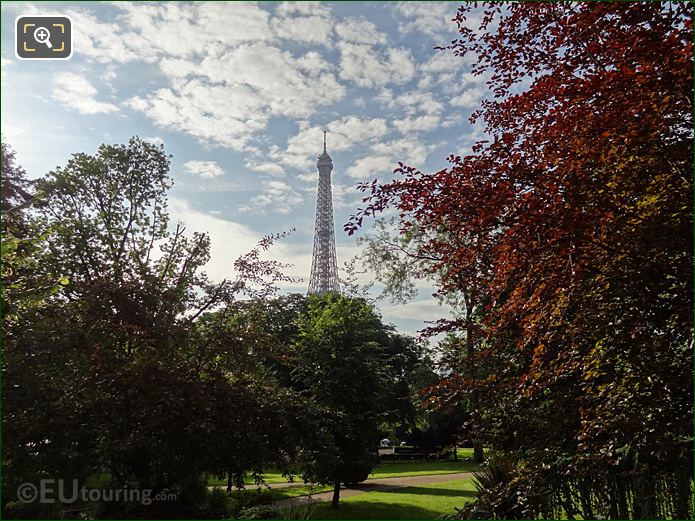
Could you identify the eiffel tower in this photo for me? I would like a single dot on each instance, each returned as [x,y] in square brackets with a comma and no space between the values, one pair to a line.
[324,266]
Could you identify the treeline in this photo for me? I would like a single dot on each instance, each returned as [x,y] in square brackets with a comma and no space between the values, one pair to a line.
[125,366]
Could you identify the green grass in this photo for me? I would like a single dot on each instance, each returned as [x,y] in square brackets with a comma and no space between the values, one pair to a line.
[464,453]
[401,469]
[389,469]
[419,502]
[254,495]
[404,468]
[270,477]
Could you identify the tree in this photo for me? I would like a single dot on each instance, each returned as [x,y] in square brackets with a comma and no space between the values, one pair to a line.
[405,365]
[399,260]
[341,367]
[581,202]
[133,367]
[21,240]
[16,192]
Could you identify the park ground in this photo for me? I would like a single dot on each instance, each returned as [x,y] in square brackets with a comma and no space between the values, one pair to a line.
[394,490]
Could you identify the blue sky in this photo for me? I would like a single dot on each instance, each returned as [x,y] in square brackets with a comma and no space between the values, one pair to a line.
[239,94]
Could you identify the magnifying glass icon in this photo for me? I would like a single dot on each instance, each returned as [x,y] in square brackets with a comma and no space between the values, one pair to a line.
[43,35]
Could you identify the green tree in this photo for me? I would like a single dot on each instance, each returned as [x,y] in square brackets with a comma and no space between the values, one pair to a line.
[17,192]
[398,259]
[128,369]
[341,366]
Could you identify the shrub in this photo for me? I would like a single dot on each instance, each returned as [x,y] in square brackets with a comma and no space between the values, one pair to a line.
[261,512]
[356,472]
[505,492]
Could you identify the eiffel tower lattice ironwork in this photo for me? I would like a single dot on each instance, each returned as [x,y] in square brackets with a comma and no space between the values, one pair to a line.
[324,266]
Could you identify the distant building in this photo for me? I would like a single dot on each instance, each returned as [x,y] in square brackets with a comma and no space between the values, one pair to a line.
[324,265]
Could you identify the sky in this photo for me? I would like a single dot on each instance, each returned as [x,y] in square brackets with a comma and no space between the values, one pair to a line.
[239,93]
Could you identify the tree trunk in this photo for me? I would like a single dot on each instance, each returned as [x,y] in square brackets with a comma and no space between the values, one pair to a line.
[229,483]
[336,495]
[470,351]
[478,453]
[456,453]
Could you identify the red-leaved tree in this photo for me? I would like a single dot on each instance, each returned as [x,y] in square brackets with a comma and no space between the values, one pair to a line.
[581,206]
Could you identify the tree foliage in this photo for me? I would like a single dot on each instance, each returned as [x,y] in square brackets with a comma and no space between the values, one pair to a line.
[343,368]
[575,221]
[122,359]
[133,367]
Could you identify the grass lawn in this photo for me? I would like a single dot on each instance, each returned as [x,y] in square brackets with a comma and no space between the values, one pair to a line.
[420,502]
[395,469]
[403,468]
[252,494]
[270,477]
[389,469]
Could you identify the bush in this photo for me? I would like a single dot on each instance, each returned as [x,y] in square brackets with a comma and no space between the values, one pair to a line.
[357,472]
[261,512]
[215,506]
[273,512]
[34,510]
[193,501]
[504,492]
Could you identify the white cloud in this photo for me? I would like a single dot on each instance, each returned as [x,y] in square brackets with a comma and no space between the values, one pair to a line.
[419,310]
[313,63]
[204,169]
[431,18]
[76,93]
[106,42]
[308,22]
[226,99]
[303,9]
[384,157]
[469,99]
[308,29]
[155,140]
[441,70]
[416,125]
[229,240]
[348,130]
[267,168]
[371,166]
[359,30]
[345,196]
[475,134]
[413,102]
[442,61]
[207,112]
[185,30]
[109,73]
[343,134]
[277,197]
[275,77]
[366,67]
[452,120]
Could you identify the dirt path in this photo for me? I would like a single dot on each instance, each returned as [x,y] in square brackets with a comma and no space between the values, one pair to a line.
[371,485]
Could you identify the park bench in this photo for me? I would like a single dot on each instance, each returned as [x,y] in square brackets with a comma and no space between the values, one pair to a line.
[393,452]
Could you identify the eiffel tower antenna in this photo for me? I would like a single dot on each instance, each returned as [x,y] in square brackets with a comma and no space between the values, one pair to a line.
[324,265]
